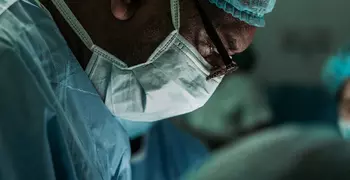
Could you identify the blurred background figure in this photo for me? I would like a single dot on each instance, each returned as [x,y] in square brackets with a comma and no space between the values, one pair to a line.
[336,76]
[302,138]
[288,152]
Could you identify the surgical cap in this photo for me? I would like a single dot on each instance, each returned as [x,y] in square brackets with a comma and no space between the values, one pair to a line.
[337,70]
[249,11]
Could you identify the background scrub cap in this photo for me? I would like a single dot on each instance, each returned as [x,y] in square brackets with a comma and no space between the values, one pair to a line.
[249,11]
[337,70]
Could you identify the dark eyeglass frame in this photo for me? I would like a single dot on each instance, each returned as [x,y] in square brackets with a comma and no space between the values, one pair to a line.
[230,65]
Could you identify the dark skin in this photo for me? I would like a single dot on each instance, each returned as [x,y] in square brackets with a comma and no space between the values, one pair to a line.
[344,101]
[135,28]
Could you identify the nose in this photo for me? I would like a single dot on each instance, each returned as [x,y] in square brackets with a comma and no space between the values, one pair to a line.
[236,40]
[123,9]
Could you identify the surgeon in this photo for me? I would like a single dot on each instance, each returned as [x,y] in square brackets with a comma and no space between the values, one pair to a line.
[336,76]
[154,59]
[60,105]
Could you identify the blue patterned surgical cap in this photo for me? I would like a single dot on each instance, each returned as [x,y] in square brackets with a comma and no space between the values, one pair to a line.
[337,70]
[249,11]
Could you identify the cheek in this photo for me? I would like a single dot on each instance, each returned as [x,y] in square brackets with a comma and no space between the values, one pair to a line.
[191,23]
[189,29]
[248,36]
[250,33]
[344,113]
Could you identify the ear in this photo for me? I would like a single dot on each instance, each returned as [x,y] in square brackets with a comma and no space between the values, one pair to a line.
[124,9]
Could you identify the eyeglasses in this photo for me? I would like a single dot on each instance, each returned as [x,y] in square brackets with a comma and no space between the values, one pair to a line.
[230,65]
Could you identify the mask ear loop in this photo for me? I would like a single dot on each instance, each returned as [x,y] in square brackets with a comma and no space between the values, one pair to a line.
[230,65]
[175,13]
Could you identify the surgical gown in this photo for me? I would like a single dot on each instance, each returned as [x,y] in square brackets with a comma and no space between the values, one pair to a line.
[168,153]
[53,124]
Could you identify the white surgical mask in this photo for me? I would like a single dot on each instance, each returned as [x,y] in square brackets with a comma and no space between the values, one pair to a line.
[172,82]
[344,126]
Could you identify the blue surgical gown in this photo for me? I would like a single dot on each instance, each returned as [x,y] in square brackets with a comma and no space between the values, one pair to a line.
[168,153]
[53,124]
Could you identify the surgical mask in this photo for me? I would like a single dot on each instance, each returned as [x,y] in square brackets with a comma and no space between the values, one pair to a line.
[344,126]
[172,81]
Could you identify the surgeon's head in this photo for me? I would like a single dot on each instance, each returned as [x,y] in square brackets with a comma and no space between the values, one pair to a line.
[145,23]
[177,38]
[336,75]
